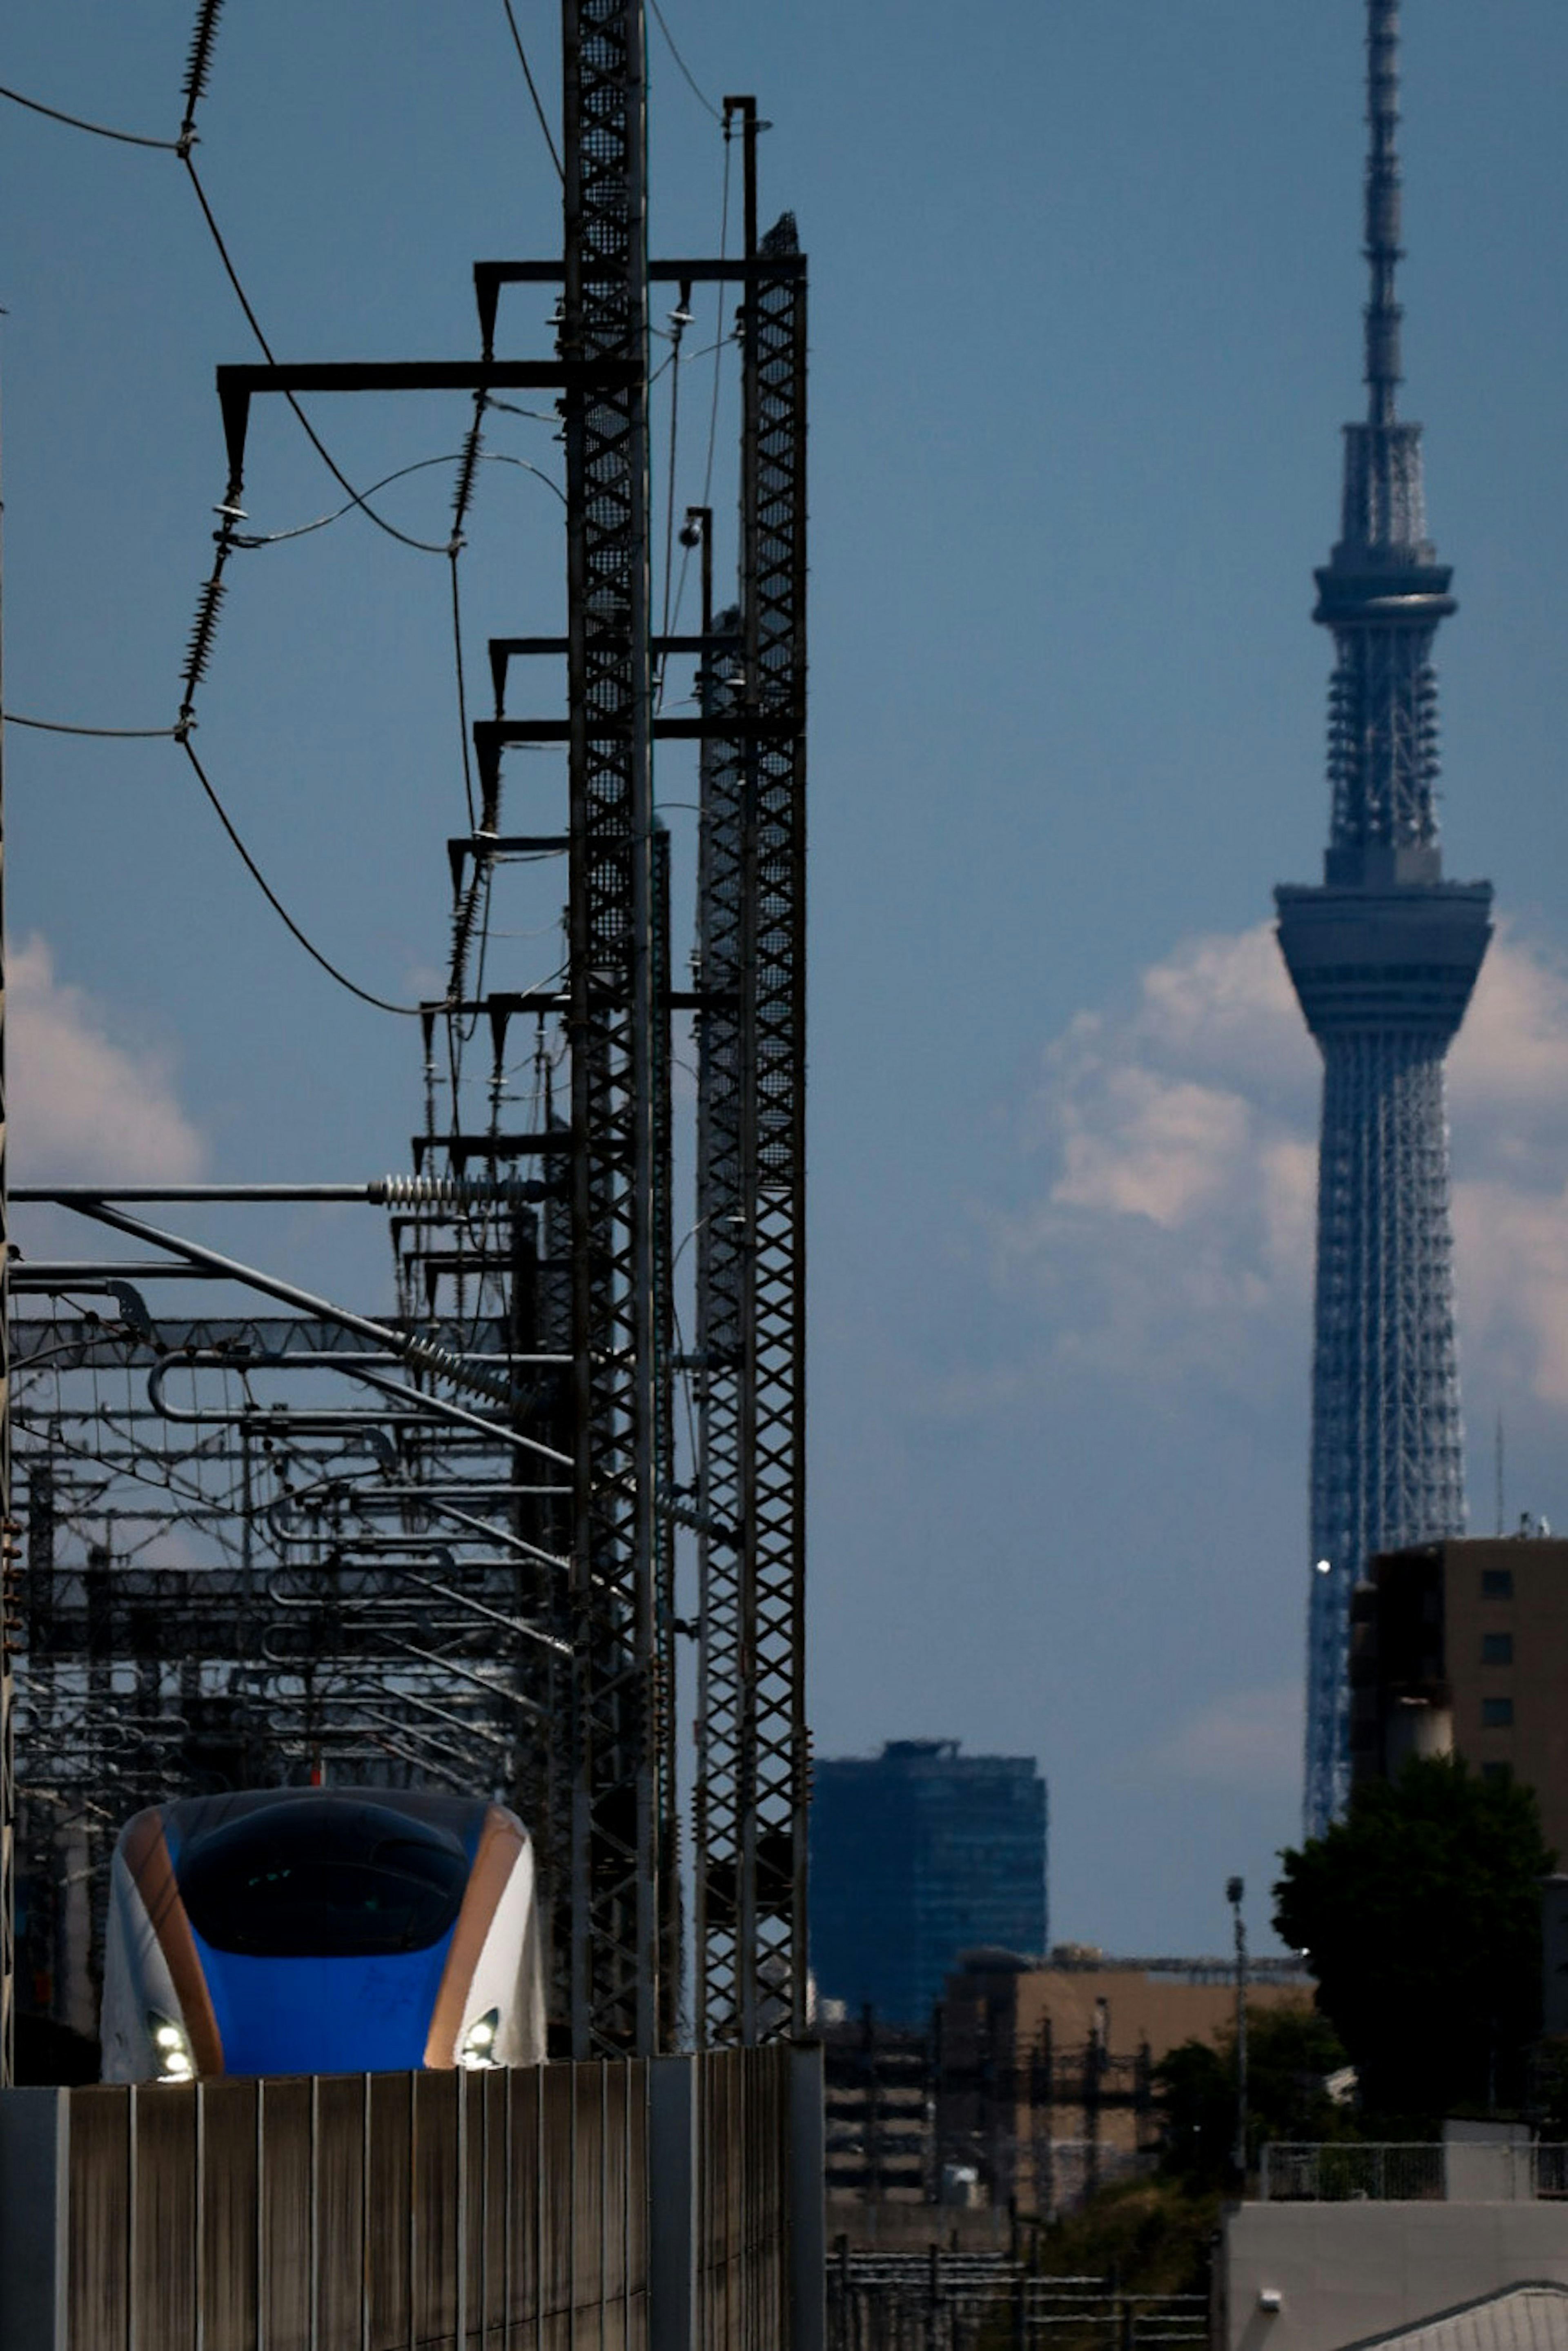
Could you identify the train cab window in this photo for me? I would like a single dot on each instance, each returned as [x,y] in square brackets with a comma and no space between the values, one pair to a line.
[1497,1584]
[306,1880]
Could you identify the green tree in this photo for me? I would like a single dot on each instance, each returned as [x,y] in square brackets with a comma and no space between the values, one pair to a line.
[1420,1916]
[1290,2052]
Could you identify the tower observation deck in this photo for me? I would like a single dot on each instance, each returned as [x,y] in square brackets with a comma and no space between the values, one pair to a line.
[1382,954]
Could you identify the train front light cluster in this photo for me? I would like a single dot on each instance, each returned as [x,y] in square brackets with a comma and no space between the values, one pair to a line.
[478,2046]
[171,2048]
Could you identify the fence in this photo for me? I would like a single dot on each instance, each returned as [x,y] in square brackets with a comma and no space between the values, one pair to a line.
[945,2301]
[1411,2173]
[665,2206]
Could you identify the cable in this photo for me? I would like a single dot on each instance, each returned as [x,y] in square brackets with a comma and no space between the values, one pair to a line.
[381,1004]
[718,349]
[108,734]
[77,123]
[686,69]
[422,546]
[533,92]
[453,457]
[670,491]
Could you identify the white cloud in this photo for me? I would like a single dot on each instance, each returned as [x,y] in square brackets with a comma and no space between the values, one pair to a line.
[1244,1738]
[86,1104]
[1168,1222]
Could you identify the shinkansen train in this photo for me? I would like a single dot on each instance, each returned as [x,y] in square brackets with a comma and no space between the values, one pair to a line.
[319,1930]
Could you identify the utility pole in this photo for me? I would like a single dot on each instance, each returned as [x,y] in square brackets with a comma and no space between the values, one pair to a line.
[1233,1893]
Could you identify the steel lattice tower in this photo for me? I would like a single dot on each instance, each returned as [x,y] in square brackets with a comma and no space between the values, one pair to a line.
[1383,955]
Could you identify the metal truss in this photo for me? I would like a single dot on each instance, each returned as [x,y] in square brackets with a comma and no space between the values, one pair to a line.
[1383,738]
[752,1752]
[1384,957]
[7,1554]
[443,1544]
[1387,1442]
[618,1805]
[256,1551]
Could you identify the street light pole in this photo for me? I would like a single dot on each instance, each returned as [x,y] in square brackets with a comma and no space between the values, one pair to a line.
[1233,1892]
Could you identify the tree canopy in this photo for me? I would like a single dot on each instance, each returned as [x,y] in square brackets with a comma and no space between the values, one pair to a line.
[1419,1914]
[1290,2052]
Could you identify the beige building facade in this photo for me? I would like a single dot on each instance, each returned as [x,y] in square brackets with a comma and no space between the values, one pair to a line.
[1044,2075]
[1462,1647]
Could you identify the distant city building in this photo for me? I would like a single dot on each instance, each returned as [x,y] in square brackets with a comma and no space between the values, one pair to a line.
[1044,2076]
[1461,1648]
[878,2102]
[919,1855]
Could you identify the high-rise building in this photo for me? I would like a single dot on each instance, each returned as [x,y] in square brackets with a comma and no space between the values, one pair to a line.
[919,1855]
[1384,954]
[1461,1648]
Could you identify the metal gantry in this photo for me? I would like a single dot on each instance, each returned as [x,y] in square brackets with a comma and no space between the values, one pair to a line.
[272,1537]
[618,1805]
[752,1752]
[1383,955]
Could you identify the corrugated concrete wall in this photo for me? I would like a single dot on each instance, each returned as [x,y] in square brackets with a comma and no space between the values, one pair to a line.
[419,2213]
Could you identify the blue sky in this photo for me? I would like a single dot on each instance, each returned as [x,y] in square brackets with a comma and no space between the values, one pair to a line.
[1085,323]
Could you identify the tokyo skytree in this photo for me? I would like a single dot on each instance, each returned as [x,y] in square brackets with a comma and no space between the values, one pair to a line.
[1382,954]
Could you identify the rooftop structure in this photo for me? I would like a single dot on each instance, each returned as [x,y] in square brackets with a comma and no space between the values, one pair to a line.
[1384,954]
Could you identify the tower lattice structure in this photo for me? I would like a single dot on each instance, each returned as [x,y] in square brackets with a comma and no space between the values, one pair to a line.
[1383,955]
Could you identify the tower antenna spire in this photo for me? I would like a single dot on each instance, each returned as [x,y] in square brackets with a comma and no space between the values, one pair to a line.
[1384,954]
[1382,248]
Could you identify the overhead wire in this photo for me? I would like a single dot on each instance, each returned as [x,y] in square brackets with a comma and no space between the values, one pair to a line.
[421,464]
[533,88]
[381,1003]
[197,70]
[701,95]
[678,322]
[356,497]
[718,352]
[79,122]
[105,734]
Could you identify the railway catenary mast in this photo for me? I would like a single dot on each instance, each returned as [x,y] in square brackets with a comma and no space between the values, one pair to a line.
[1383,955]
[438,1546]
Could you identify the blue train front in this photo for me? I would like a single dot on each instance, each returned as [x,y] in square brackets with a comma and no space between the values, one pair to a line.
[321,1931]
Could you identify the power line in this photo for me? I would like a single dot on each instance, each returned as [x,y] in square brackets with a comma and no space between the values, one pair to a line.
[422,546]
[381,1003]
[79,122]
[450,457]
[533,90]
[108,734]
[717,365]
[701,99]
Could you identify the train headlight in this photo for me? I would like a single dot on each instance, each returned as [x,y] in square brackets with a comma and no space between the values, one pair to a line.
[169,2048]
[478,2046]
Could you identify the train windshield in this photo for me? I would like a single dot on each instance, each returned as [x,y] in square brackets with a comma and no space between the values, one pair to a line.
[321,1878]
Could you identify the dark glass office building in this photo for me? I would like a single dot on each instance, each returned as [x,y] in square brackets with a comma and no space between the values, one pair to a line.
[918,1854]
